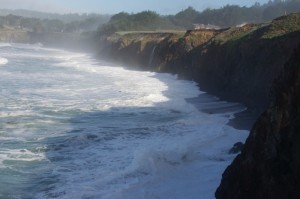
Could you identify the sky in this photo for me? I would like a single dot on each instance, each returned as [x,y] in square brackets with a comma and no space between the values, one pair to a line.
[116,6]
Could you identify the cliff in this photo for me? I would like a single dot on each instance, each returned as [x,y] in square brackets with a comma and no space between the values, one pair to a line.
[234,64]
[269,165]
[256,64]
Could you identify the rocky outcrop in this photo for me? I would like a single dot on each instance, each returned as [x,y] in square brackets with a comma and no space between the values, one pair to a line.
[269,165]
[234,64]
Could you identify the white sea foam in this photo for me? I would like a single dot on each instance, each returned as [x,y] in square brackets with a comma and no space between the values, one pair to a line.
[100,131]
[3,61]
[5,45]
[193,171]
[19,155]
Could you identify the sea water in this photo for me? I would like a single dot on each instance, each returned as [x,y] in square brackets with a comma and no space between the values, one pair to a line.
[73,127]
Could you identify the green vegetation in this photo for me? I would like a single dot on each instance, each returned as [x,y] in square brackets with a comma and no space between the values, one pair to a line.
[231,15]
[146,20]
[176,32]
[235,34]
[50,25]
[278,27]
[228,16]
[185,18]
[282,26]
[66,18]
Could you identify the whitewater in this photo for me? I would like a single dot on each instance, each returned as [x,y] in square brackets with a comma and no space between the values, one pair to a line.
[73,127]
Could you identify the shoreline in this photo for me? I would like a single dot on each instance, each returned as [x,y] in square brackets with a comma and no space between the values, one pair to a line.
[243,117]
[184,147]
[242,120]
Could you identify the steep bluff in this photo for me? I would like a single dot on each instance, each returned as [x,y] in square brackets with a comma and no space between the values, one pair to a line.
[269,165]
[234,64]
[257,65]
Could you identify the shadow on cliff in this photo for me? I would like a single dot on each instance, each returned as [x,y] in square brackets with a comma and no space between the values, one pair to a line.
[268,166]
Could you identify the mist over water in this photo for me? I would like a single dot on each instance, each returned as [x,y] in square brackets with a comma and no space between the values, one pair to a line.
[74,127]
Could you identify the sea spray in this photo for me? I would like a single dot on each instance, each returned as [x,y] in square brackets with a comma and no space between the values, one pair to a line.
[72,127]
[3,61]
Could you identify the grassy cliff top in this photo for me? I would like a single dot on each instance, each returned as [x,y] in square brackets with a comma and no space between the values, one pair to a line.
[282,25]
[278,27]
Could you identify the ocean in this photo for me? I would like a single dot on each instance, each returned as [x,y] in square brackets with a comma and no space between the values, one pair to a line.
[73,127]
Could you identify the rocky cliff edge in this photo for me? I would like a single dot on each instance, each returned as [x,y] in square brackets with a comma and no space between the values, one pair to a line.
[235,63]
[269,165]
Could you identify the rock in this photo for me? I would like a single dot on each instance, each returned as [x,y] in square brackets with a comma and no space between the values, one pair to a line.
[269,165]
[238,64]
[234,64]
[237,147]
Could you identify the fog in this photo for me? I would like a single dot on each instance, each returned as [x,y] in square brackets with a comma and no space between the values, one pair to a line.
[114,6]
[37,5]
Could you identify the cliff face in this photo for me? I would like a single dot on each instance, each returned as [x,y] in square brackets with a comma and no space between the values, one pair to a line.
[243,62]
[235,64]
[135,49]
[240,64]
[269,165]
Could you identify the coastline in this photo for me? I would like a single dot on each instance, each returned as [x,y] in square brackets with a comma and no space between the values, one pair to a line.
[180,146]
[224,76]
[234,64]
[243,118]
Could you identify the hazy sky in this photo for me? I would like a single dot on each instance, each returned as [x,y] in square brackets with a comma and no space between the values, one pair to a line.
[115,6]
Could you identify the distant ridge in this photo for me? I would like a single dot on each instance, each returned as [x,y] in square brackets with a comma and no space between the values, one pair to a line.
[67,18]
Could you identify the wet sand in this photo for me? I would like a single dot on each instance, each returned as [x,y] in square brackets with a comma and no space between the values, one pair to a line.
[244,119]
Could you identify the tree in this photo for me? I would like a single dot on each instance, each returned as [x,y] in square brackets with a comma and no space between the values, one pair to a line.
[146,20]
[186,18]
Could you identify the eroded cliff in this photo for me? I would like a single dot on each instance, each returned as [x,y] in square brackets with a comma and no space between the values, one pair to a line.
[269,165]
[234,64]
[243,64]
